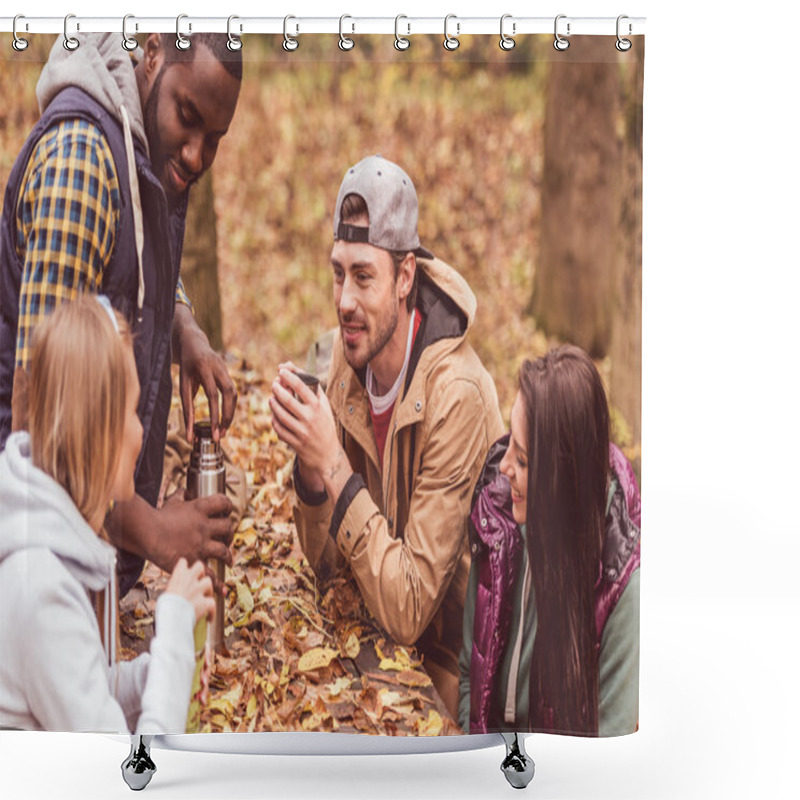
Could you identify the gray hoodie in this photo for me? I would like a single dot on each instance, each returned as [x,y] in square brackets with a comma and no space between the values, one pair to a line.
[54,672]
[102,69]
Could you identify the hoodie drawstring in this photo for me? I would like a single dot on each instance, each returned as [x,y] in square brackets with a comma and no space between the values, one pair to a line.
[109,600]
[138,219]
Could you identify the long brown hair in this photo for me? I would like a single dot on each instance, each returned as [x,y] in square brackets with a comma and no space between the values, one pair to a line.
[76,400]
[568,429]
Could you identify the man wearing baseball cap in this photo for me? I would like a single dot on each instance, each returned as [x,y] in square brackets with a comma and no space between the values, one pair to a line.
[387,460]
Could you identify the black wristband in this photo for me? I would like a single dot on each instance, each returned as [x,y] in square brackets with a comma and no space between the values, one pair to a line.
[306,496]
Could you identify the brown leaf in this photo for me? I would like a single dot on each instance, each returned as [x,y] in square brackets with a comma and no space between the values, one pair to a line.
[414,678]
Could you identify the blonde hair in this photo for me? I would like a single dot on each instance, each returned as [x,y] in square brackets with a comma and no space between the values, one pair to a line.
[76,400]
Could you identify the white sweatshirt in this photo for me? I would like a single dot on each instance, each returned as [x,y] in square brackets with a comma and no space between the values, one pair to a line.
[54,673]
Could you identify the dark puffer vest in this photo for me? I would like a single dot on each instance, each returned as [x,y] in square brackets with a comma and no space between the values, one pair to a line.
[497,546]
[163,242]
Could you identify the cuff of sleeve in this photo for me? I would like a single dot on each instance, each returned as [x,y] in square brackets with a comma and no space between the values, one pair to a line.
[181,296]
[175,621]
[354,521]
[304,494]
[355,483]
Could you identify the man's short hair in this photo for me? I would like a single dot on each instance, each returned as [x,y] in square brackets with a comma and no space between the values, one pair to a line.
[354,207]
[217,43]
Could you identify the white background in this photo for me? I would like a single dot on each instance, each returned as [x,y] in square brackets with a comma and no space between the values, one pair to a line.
[720,605]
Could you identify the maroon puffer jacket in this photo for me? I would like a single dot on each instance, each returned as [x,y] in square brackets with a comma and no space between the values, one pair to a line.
[496,544]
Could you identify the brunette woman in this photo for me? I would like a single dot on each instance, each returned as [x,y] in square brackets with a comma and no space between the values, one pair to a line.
[551,623]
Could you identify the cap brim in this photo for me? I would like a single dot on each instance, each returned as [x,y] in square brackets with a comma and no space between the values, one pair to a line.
[421,252]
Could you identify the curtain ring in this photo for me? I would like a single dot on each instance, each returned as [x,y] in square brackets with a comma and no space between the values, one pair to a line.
[290,44]
[70,42]
[19,44]
[506,42]
[560,42]
[345,42]
[181,42]
[451,42]
[400,42]
[623,45]
[234,42]
[128,42]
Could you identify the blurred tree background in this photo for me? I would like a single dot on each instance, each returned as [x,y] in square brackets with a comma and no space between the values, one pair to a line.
[527,165]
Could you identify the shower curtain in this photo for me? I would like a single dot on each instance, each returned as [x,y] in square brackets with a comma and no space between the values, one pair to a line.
[435,598]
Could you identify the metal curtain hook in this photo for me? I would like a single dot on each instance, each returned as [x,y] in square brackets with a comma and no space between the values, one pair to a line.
[128,42]
[19,44]
[451,42]
[560,43]
[70,42]
[234,42]
[623,45]
[181,42]
[400,42]
[345,42]
[506,42]
[290,44]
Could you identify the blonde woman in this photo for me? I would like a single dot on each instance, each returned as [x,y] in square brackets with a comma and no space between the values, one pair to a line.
[58,669]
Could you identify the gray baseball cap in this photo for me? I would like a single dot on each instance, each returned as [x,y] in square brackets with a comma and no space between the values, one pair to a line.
[391,203]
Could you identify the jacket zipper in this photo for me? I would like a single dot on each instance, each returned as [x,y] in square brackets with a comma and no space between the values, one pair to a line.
[387,481]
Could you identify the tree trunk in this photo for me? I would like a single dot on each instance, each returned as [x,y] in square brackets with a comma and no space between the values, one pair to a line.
[199,262]
[626,338]
[573,283]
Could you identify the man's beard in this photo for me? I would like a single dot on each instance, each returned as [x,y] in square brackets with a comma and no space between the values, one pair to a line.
[381,338]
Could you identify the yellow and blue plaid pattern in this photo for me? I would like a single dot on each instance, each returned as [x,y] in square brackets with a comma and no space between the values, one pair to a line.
[67,222]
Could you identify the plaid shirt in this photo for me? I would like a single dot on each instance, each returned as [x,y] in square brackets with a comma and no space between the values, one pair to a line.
[67,223]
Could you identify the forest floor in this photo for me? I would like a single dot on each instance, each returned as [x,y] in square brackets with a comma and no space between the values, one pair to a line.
[296,651]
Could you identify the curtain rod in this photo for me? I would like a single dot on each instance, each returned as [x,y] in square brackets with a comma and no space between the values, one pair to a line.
[350,25]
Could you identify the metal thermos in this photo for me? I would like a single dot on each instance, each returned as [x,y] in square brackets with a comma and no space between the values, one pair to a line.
[205,477]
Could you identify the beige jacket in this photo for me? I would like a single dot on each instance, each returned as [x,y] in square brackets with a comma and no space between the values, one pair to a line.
[404,534]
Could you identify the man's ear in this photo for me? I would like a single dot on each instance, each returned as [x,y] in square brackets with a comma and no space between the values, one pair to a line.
[153,56]
[405,275]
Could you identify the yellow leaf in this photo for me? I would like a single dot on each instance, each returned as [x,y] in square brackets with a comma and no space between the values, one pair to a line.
[352,647]
[401,661]
[284,675]
[252,706]
[246,538]
[219,720]
[244,597]
[315,658]
[220,704]
[431,726]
